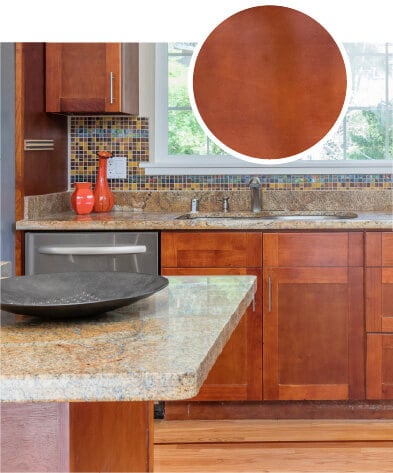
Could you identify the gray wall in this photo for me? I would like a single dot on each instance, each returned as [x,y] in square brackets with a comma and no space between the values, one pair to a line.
[7,155]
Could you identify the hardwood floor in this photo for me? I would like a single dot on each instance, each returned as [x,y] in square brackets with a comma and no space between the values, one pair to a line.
[274,446]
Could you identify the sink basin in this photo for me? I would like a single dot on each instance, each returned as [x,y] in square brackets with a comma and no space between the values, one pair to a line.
[267,215]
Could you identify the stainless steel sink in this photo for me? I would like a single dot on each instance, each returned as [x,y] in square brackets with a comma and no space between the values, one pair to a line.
[267,215]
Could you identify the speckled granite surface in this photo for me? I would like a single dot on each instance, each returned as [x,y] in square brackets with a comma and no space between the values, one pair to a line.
[128,220]
[160,348]
[211,201]
[159,211]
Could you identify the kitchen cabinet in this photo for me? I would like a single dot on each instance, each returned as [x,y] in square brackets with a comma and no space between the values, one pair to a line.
[237,374]
[379,281]
[313,312]
[379,366]
[92,77]
[313,328]
[379,315]
[41,146]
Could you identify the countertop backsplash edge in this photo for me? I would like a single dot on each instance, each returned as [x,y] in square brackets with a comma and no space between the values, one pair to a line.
[39,206]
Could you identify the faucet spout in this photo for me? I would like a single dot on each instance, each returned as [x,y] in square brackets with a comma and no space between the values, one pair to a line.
[256,194]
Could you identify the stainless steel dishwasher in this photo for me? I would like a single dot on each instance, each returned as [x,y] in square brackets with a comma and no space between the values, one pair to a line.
[54,252]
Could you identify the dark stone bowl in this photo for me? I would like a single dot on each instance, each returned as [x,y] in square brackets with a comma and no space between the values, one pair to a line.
[60,295]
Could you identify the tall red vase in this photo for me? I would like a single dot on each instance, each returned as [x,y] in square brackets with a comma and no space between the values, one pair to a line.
[103,196]
[82,199]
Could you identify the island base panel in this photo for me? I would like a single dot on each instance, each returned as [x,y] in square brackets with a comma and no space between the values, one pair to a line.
[111,436]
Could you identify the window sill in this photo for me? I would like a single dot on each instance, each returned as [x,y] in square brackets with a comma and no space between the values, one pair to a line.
[186,168]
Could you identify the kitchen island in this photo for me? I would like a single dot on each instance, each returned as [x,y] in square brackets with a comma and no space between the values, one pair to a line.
[112,367]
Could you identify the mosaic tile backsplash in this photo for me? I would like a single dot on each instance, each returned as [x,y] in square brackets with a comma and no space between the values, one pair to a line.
[129,137]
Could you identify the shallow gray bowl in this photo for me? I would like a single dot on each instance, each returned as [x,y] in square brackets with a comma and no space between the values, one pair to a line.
[59,295]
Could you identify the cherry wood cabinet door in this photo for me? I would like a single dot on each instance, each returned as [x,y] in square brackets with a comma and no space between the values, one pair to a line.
[92,78]
[379,373]
[379,281]
[237,373]
[313,327]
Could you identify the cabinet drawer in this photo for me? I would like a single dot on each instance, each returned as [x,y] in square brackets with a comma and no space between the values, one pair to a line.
[211,249]
[379,249]
[313,249]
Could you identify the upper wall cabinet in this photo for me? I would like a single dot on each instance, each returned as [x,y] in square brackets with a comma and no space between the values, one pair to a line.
[92,78]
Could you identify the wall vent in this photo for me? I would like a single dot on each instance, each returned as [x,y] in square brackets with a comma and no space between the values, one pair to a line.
[39,145]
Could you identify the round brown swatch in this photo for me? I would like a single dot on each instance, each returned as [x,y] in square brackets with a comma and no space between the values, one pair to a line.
[269,82]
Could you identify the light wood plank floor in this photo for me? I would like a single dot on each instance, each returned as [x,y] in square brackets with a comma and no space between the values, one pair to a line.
[274,446]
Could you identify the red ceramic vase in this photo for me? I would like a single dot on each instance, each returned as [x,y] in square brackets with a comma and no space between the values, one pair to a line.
[103,196]
[82,199]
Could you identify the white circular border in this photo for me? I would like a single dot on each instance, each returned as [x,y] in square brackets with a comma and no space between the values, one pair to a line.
[270,161]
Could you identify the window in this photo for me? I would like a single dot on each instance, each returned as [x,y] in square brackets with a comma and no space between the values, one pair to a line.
[363,142]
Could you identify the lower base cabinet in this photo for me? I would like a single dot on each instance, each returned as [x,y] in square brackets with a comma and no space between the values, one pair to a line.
[237,374]
[379,366]
[379,315]
[307,340]
[313,316]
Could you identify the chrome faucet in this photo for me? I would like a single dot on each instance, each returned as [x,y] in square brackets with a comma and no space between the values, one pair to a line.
[194,205]
[225,204]
[256,194]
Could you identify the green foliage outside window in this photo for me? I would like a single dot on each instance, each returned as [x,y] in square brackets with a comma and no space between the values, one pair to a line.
[370,143]
[367,129]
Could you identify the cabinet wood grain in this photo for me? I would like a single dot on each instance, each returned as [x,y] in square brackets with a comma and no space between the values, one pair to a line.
[111,436]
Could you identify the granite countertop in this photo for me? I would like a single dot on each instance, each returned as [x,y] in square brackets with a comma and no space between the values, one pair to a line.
[164,220]
[160,348]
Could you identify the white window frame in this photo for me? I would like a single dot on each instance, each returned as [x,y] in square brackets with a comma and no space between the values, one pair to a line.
[154,76]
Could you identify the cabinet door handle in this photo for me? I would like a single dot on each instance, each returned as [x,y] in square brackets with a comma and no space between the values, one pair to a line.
[111,99]
[269,300]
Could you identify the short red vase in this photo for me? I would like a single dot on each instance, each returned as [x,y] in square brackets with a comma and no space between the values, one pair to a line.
[82,199]
[103,196]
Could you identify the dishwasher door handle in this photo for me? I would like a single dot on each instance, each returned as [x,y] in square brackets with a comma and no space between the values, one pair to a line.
[92,250]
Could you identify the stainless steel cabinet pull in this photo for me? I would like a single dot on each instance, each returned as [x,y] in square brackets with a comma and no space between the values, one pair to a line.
[92,250]
[111,99]
[269,301]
